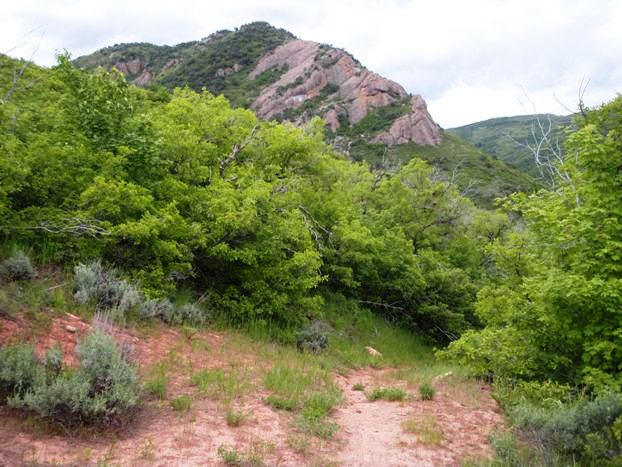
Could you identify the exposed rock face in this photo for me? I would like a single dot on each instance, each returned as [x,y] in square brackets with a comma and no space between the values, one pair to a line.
[416,126]
[355,91]
[131,67]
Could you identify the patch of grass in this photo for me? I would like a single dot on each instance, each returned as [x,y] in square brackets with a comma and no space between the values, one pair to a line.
[358,387]
[182,403]
[389,394]
[220,384]
[235,417]
[426,429]
[317,427]
[299,444]
[229,455]
[426,392]
[157,381]
[282,403]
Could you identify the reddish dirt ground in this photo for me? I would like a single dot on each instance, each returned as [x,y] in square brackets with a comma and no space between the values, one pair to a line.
[370,433]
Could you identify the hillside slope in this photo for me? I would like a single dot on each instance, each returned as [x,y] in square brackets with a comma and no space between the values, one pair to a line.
[505,137]
[281,78]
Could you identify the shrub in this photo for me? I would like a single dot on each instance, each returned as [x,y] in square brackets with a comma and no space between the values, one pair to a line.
[156,308]
[427,392]
[102,390]
[93,284]
[19,369]
[584,429]
[313,338]
[17,267]
[188,313]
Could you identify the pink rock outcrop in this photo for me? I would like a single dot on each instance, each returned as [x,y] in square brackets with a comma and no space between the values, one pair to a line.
[357,91]
[416,126]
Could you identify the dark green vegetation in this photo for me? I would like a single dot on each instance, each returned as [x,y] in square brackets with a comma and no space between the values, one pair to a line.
[220,63]
[262,219]
[505,138]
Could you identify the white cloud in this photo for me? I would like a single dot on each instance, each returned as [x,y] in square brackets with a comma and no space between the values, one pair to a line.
[470,60]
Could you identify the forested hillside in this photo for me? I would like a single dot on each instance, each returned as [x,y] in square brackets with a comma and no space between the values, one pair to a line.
[513,139]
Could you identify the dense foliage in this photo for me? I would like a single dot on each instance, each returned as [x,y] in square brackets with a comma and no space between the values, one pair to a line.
[552,310]
[260,218]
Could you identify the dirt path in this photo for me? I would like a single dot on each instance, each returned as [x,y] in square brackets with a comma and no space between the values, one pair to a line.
[373,433]
[447,430]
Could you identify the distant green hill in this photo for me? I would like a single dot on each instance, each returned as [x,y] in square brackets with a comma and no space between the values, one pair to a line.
[479,175]
[502,137]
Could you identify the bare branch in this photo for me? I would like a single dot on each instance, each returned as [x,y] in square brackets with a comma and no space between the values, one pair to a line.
[237,148]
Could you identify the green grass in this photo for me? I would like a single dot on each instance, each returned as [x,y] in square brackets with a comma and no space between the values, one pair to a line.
[358,387]
[225,385]
[389,394]
[234,417]
[181,403]
[426,392]
[426,429]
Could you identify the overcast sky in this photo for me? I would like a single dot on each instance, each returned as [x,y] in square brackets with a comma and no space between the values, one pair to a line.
[471,59]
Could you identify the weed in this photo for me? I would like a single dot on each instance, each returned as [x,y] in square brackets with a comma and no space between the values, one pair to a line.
[157,386]
[229,455]
[299,444]
[282,403]
[317,427]
[182,403]
[426,392]
[235,417]
[358,387]
[426,429]
[389,394]
[218,384]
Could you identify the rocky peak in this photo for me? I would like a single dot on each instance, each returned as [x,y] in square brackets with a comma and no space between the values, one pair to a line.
[322,80]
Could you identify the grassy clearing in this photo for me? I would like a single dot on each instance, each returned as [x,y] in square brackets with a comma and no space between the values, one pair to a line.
[225,385]
[425,428]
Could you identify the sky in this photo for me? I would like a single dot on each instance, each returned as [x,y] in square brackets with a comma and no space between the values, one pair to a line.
[471,60]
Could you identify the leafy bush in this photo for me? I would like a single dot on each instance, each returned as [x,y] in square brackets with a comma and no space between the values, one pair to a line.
[427,392]
[313,339]
[17,267]
[102,390]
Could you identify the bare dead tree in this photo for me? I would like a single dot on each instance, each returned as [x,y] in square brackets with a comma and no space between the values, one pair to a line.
[235,151]
[18,72]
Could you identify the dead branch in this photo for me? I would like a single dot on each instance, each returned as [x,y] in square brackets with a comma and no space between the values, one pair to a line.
[237,148]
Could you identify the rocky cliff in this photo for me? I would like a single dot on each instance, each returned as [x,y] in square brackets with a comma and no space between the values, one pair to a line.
[280,77]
